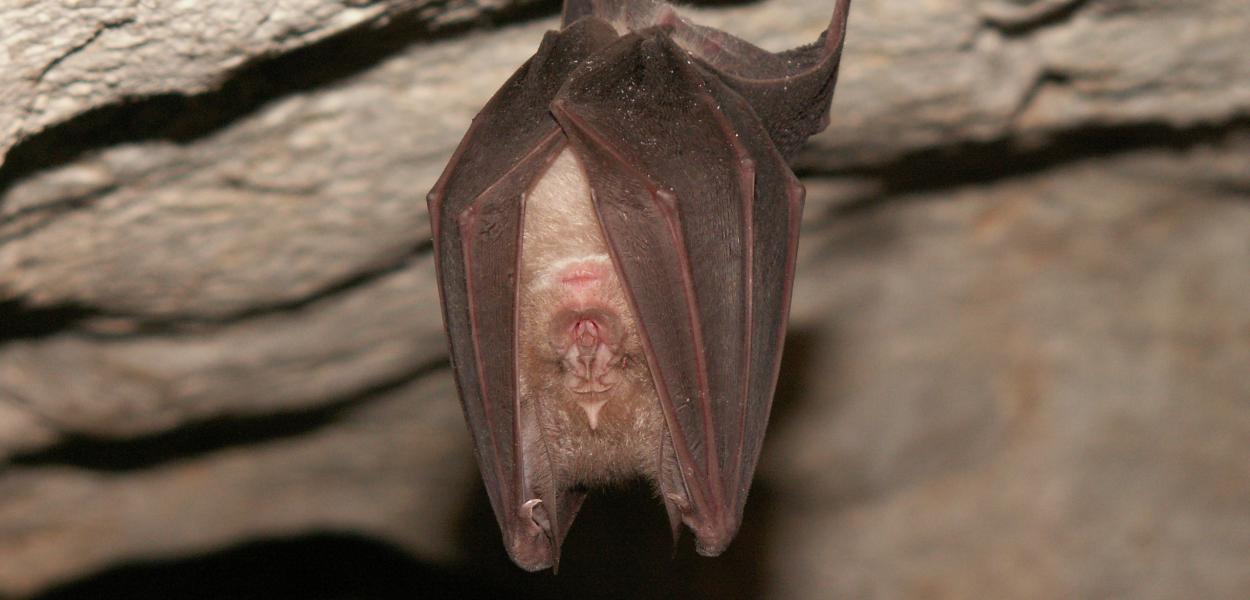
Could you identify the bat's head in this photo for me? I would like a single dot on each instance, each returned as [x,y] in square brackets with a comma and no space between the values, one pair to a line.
[580,342]
[590,351]
[587,332]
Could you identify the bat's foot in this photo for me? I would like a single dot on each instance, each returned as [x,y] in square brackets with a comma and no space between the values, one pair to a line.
[714,532]
[714,542]
[712,535]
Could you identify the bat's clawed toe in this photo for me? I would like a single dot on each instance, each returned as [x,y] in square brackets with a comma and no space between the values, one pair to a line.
[712,533]
[712,541]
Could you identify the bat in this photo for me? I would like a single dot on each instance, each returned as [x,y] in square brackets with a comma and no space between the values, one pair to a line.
[615,244]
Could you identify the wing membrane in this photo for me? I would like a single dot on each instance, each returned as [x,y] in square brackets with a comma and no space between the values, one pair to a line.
[692,213]
[476,213]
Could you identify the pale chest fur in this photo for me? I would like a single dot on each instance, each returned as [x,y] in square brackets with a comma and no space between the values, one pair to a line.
[581,363]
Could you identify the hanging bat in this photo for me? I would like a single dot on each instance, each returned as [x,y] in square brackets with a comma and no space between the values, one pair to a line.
[615,240]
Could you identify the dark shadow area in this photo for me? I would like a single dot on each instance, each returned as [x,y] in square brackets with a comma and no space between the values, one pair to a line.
[618,548]
[18,321]
[326,566]
[1032,20]
[619,545]
[201,437]
[941,168]
[180,443]
[362,278]
[797,364]
[802,365]
[183,118]
[716,3]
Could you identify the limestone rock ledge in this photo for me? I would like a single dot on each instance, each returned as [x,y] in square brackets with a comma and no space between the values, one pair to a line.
[1017,359]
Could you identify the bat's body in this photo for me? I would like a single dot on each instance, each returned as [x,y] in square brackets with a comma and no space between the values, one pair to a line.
[582,367]
[616,238]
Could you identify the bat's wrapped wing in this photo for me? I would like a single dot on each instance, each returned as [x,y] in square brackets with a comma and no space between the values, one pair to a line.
[682,133]
[789,91]
[476,214]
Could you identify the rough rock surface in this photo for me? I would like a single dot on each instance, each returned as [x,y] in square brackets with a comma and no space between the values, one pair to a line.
[1018,357]
[58,61]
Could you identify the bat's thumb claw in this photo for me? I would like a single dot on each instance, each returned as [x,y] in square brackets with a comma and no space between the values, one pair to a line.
[536,516]
[531,545]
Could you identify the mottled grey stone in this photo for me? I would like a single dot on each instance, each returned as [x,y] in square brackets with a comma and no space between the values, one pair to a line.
[1019,342]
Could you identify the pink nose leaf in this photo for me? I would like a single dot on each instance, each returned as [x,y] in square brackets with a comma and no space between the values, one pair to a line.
[589,360]
[587,333]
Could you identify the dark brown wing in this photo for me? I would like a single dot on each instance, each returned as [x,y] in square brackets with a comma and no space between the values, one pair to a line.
[789,91]
[476,213]
[683,130]
[701,214]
